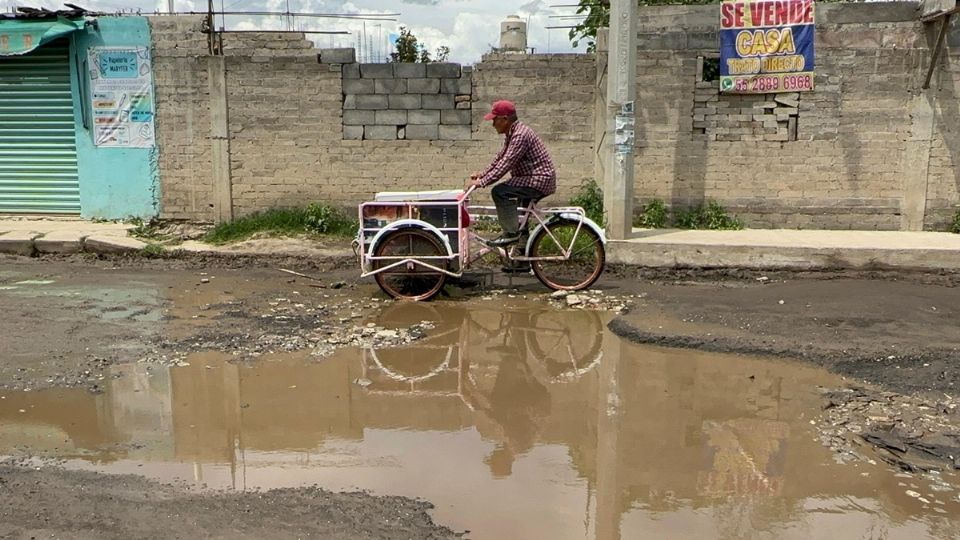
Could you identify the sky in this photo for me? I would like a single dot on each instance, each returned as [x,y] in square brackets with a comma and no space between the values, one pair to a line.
[468,27]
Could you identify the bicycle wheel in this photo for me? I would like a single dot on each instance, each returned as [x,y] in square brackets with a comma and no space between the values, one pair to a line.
[568,343]
[410,281]
[584,264]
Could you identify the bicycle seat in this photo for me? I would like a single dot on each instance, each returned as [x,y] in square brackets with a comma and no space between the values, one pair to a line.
[527,203]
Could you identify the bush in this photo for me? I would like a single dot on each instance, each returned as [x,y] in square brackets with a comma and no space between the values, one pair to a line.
[325,219]
[653,216]
[713,217]
[955,226]
[590,198]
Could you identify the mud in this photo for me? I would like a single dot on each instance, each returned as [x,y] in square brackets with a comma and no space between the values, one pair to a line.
[132,329]
[42,501]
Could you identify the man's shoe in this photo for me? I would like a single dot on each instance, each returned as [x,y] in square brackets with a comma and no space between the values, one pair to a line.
[516,268]
[505,240]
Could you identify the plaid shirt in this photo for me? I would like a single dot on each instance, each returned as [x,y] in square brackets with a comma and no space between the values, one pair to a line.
[526,158]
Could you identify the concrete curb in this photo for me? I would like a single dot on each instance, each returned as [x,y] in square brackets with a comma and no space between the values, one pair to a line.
[779,257]
[18,243]
[103,243]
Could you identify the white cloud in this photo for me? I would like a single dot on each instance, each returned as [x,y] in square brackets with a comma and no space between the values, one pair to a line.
[467,27]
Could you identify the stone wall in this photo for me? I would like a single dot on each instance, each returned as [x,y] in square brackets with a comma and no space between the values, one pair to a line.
[855,157]
[290,140]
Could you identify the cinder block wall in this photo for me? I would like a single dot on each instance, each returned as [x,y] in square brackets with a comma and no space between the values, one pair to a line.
[182,93]
[291,144]
[410,101]
[858,156]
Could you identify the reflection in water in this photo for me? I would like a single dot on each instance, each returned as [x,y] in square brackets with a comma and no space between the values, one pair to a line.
[515,420]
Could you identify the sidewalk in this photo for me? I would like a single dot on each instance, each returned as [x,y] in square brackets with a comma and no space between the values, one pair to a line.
[751,248]
[789,249]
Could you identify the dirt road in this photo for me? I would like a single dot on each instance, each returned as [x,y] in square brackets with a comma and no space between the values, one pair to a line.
[68,322]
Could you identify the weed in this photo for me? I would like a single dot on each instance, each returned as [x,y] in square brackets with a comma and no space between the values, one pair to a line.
[148,230]
[712,217]
[153,251]
[326,219]
[653,216]
[590,198]
[318,218]
[955,226]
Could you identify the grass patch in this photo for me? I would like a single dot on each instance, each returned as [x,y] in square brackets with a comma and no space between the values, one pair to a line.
[955,226]
[590,198]
[318,218]
[711,217]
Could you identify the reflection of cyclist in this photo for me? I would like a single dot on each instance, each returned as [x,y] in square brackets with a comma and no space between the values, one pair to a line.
[518,402]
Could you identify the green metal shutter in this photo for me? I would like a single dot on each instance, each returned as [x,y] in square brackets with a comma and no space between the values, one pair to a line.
[38,147]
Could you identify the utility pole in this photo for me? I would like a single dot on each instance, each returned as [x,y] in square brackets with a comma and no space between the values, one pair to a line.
[621,95]
[170,7]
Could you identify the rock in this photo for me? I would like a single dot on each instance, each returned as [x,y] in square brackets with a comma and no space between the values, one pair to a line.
[560,294]
[574,300]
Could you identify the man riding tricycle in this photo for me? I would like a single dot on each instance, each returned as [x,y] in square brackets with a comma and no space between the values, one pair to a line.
[411,242]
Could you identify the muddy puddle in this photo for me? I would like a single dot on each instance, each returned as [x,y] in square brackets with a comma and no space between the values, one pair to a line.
[515,420]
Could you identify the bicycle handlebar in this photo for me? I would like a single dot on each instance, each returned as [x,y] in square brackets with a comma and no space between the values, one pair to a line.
[467,192]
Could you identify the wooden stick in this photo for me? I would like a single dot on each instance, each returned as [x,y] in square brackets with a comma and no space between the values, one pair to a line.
[299,274]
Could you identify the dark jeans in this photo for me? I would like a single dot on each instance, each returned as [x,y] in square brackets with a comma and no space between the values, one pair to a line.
[507,198]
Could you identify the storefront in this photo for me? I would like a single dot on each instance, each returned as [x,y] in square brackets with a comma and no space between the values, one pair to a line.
[77,116]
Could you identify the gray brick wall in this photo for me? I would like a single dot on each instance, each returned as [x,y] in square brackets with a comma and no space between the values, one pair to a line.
[297,136]
[406,96]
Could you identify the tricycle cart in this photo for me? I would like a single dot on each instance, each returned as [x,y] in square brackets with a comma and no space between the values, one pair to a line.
[410,242]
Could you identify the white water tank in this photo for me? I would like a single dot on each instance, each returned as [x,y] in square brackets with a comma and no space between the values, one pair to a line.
[513,35]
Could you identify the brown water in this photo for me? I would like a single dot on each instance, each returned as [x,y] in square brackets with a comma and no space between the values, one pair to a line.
[515,420]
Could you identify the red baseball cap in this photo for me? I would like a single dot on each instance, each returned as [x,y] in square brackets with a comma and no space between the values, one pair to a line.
[501,108]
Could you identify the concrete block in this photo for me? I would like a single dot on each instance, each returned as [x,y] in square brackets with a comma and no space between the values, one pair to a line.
[465,85]
[703,40]
[422,132]
[463,105]
[390,118]
[455,133]
[439,101]
[390,86]
[350,71]
[423,86]
[404,101]
[350,102]
[359,118]
[338,56]
[18,243]
[60,242]
[454,117]
[450,86]
[376,71]
[409,70]
[443,70]
[380,133]
[359,86]
[423,117]
[372,101]
[103,243]
[352,132]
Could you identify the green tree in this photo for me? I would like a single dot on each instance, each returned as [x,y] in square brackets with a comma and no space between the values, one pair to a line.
[408,48]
